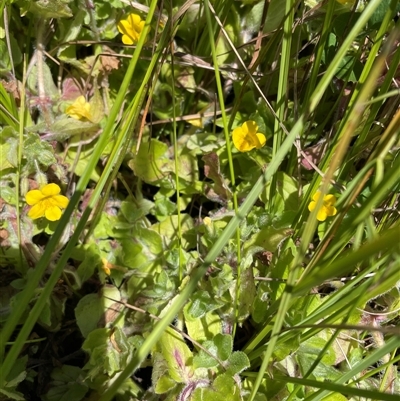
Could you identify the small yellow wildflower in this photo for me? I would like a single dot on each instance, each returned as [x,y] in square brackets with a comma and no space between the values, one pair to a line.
[327,208]
[79,109]
[246,137]
[131,29]
[46,202]
[207,221]
[105,265]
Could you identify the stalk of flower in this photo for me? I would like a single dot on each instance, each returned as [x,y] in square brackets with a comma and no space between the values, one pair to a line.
[131,29]
[246,137]
[327,208]
[79,109]
[46,202]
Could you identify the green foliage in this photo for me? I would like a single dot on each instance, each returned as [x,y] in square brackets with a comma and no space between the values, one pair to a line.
[67,384]
[16,375]
[184,268]
[108,349]
[92,307]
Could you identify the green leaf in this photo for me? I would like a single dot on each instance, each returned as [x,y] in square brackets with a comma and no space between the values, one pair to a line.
[219,191]
[38,151]
[287,188]
[160,378]
[5,62]
[237,363]
[12,394]
[65,127]
[142,252]
[307,354]
[203,359]
[224,344]
[268,238]
[252,19]
[90,262]
[335,397]
[276,13]
[247,289]
[151,163]
[17,373]
[177,355]
[50,8]
[88,313]
[73,29]
[261,303]
[314,345]
[9,195]
[164,207]
[379,14]
[201,329]
[109,350]
[67,384]
[15,377]
[162,287]
[53,312]
[220,347]
[280,270]
[288,347]
[221,387]
[80,167]
[92,307]
[350,67]
[133,211]
[187,166]
[49,87]
[168,229]
[200,303]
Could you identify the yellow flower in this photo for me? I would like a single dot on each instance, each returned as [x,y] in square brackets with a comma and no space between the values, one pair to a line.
[79,109]
[246,137]
[207,221]
[46,202]
[327,208]
[131,28]
[105,265]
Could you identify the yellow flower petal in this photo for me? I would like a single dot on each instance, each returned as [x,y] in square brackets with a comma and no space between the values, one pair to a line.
[207,221]
[250,127]
[37,211]
[60,201]
[330,210]
[79,109]
[321,216]
[240,140]
[33,197]
[106,266]
[50,190]
[316,196]
[134,19]
[124,27]
[127,40]
[329,199]
[53,213]
[261,139]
